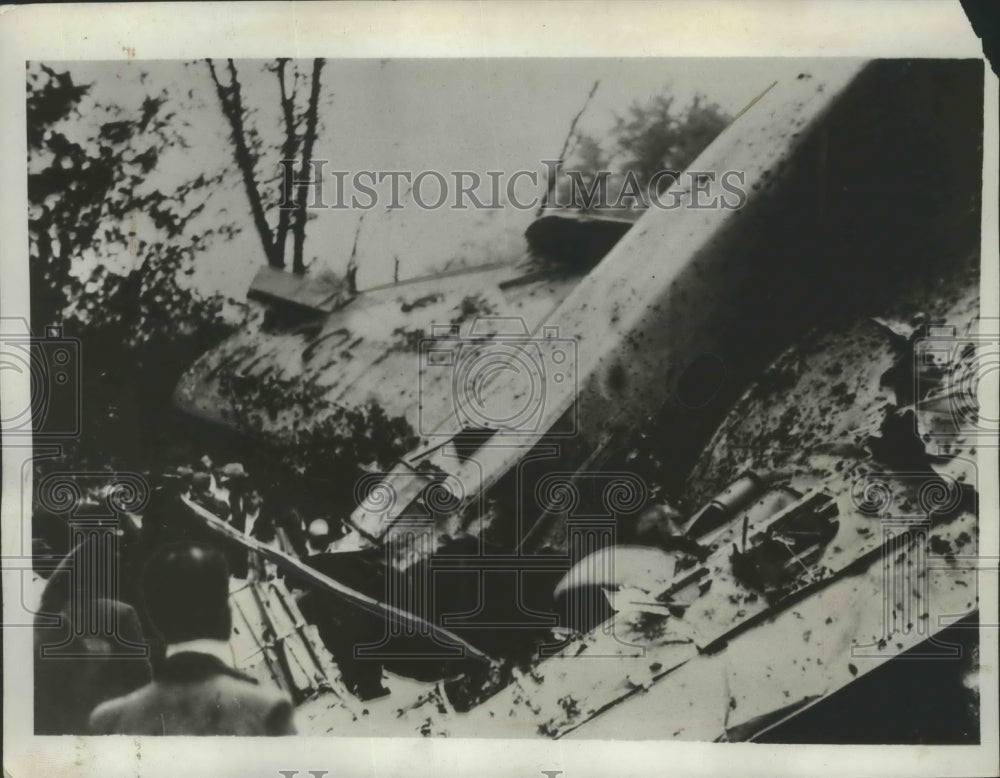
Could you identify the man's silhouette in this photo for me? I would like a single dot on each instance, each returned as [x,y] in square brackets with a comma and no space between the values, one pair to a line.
[196,691]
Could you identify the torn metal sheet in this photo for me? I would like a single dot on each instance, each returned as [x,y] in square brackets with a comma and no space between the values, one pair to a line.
[892,575]
[640,566]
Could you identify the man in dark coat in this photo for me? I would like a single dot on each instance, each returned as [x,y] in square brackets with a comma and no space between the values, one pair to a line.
[89,643]
[80,671]
[196,691]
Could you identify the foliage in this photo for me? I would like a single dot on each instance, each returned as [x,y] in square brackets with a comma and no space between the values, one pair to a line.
[327,442]
[652,136]
[91,182]
[660,137]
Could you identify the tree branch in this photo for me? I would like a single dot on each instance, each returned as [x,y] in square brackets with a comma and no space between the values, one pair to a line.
[288,150]
[309,139]
[565,147]
[232,108]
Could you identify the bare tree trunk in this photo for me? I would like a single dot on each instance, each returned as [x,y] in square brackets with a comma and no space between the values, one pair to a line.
[232,107]
[551,185]
[288,150]
[299,227]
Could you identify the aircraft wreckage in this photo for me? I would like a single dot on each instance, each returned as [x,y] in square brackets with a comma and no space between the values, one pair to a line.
[676,478]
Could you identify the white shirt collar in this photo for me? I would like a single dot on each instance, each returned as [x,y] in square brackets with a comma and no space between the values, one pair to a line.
[220,649]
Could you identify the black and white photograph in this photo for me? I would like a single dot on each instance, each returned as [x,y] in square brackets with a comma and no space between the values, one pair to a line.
[640,398]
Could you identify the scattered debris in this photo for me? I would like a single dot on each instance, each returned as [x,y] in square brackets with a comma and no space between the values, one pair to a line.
[779,556]
[420,302]
[472,306]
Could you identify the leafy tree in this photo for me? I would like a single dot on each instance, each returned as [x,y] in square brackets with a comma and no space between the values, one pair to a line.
[663,137]
[139,325]
[652,136]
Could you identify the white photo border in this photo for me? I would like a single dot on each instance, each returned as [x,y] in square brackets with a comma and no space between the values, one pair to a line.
[835,28]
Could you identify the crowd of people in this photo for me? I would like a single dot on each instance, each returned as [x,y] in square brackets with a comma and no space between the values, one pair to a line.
[160,661]
[231,494]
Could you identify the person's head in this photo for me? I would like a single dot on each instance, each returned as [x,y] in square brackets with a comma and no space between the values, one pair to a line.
[253,500]
[201,483]
[186,591]
[318,535]
[233,476]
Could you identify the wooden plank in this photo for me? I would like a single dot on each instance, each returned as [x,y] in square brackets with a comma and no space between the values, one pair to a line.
[297,569]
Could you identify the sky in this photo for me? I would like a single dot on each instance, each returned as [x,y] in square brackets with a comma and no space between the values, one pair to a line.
[414,115]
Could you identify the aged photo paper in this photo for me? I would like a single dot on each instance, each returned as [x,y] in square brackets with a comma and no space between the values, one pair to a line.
[528,389]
